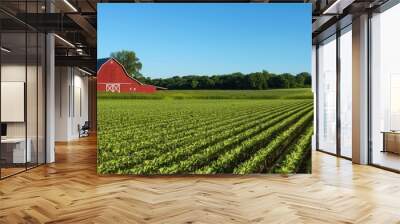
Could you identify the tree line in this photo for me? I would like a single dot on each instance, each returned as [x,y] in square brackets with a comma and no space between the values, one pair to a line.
[237,80]
[255,80]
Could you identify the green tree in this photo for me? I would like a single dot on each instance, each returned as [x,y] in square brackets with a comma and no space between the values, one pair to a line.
[278,81]
[290,80]
[130,61]
[256,80]
[303,79]
[194,84]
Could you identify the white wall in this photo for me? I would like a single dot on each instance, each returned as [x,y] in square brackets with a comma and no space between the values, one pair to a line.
[13,72]
[16,73]
[71,87]
[62,82]
[81,94]
[33,126]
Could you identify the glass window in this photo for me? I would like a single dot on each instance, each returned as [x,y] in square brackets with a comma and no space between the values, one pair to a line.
[22,91]
[327,95]
[385,88]
[346,92]
[14,153]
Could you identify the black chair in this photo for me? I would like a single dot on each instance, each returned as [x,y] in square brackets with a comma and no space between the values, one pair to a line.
[84,130]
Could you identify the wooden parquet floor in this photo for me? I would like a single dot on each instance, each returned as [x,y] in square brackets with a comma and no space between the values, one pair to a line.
[70,191]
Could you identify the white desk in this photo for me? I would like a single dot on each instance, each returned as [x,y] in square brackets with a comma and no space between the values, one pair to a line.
[18,151]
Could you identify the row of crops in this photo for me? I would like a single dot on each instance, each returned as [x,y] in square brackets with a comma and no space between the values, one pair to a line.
[203,136]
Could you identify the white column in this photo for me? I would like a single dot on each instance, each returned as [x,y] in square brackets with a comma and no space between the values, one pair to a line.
[50,100]
[360,90]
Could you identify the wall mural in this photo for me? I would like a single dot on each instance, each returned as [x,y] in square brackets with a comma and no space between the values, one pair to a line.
[204,89]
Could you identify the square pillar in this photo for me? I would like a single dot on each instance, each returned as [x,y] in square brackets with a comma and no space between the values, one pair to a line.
[50,98]
[360,89]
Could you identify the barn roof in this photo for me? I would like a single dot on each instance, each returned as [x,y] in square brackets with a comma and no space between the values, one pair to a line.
[100,62]
[125,74]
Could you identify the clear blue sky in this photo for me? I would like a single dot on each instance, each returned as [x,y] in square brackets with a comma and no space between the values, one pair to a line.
[207,39]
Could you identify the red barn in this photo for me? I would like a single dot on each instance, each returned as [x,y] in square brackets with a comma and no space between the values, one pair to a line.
[112,77]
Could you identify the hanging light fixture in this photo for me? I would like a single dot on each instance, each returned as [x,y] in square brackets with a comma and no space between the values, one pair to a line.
[64,40]
[5,50]
[70,5]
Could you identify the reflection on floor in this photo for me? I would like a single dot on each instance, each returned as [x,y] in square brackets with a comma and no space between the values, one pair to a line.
[70,191]
[387,159]
[9,170]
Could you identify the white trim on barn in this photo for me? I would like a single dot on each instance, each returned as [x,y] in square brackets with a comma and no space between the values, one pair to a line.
[113,87]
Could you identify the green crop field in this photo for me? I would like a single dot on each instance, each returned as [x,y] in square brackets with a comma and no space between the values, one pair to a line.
[205,132]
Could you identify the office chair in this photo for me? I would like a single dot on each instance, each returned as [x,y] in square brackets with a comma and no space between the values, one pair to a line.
[84,130]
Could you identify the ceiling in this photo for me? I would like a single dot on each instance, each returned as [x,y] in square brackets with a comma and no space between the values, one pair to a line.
[75,22]
[330,15]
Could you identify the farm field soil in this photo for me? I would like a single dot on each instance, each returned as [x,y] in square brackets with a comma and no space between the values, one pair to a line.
[200,135]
